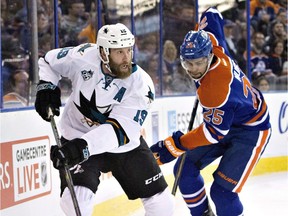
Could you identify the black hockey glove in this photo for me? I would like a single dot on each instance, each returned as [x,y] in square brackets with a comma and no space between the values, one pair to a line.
[71,153]
[48,95]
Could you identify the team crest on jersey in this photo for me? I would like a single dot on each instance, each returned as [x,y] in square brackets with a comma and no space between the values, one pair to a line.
[93,115]
[87,74]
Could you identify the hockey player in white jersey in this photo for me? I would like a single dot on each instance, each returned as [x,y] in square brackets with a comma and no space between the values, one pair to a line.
[110,100]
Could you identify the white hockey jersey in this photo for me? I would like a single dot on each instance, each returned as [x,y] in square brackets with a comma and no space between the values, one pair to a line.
[107,112]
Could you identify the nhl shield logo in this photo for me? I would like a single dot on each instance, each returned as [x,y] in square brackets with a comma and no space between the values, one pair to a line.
[86,74]
[43,173]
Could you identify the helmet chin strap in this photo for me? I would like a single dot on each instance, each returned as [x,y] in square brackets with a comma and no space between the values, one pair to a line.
[108,67]
[106,63]
[210,58]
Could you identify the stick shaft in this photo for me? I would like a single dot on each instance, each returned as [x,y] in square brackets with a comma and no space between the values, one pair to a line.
[68,176]
[182,160]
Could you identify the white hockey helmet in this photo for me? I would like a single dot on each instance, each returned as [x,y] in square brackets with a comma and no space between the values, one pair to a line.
[114,36]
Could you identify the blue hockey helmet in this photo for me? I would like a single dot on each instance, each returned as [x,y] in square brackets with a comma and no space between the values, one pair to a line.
[196,44]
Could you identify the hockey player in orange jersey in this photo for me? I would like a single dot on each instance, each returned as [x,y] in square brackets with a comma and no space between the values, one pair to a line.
[235,123]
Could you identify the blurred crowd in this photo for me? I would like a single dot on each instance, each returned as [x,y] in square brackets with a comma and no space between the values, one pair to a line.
[77,23]
[268,39]
[74,18]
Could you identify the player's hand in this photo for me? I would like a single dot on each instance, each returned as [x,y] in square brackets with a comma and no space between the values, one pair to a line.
[71,153]
[167,150]
[48,95]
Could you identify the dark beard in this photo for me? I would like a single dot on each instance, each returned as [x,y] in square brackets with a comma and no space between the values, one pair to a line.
[116,70]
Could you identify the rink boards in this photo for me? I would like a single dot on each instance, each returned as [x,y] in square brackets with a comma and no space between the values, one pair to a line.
[30,186]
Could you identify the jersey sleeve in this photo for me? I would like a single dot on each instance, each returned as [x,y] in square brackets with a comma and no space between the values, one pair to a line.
[214,26]
[60,62]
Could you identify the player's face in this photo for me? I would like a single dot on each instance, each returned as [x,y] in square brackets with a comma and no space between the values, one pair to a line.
[196,67]
[120,62]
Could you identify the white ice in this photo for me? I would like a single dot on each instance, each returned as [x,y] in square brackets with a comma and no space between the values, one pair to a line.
[264,195]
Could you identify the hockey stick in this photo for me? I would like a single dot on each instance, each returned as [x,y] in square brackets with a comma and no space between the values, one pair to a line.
[68,176]
[179,171]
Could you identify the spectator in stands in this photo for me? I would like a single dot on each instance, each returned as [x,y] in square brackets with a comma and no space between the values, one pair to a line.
[281,5]
[18,95]
[46,5]
[237,15]
[73,22]
[45,44]
[259,60]
[285,69]
[277,32]
[170,57]
[178,19]
[88,34]
[4,11]
[147,48]
[8,11]
[282,16]
[43,23]
[13,57]
[4,16]
[22,27]
[229,38]
[262,12]
[4,29]
[276,59]
[262,83]
[282,80]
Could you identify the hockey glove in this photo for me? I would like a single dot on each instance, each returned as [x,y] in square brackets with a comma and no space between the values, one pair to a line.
[71,153]
[168,149]
[48,95]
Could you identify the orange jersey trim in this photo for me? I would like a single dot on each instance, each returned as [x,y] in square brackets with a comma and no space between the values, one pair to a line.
[194,138]
[255,118]
[213,39]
